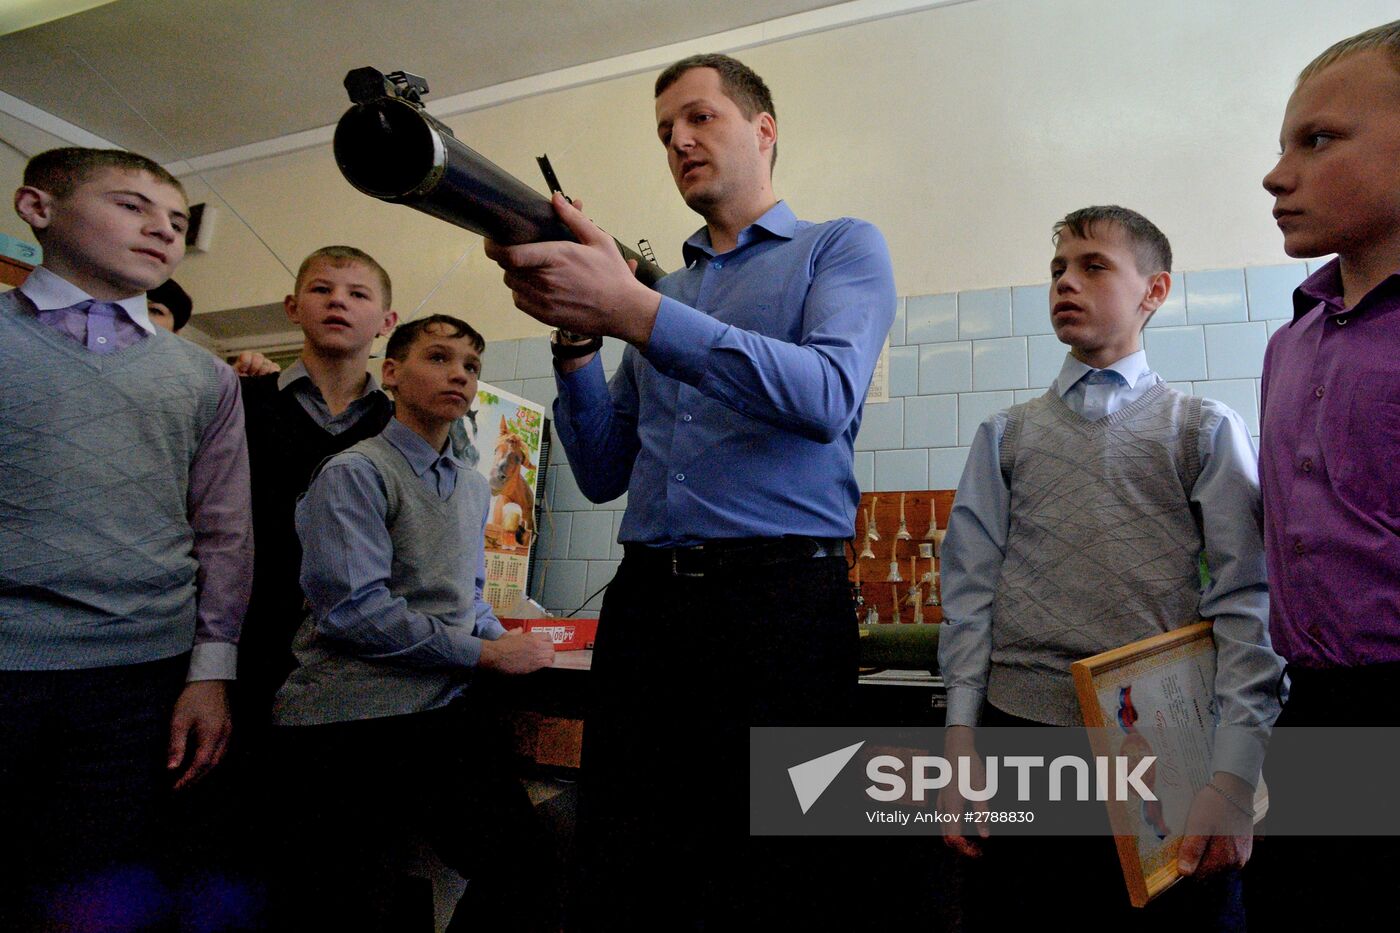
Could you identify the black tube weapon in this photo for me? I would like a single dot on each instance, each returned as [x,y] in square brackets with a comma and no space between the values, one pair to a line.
[389,147]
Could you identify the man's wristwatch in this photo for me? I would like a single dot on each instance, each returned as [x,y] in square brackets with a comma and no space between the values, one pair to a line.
[566,345]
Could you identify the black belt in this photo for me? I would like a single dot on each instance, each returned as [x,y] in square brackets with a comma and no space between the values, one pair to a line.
[731,554]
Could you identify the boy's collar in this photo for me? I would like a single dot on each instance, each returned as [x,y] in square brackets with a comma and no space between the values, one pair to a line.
[50,292]
[418,452]
[298,371]
[1132,368]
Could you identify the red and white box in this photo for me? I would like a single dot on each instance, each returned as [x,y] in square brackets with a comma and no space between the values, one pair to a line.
[567,634]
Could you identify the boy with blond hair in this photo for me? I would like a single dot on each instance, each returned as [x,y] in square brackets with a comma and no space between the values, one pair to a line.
[125,544]
[1330,442]
[1078,527]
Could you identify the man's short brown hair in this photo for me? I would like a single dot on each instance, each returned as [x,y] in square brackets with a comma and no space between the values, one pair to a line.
[343,256]
[1152,252]
[406,335]
[1383,38]
[59,171]
[741,84]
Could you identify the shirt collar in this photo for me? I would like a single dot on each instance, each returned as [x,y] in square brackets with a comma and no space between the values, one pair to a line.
[1130,368]
[297,371]
[419,453]
[50,291]
[1325,286]
[777,221]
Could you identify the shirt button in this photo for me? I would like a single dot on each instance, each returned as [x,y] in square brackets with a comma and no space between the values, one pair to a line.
[686,418]
[1307,465]
[680,477]
[1298,547]
[1318,391]
[717,265]
[101,339]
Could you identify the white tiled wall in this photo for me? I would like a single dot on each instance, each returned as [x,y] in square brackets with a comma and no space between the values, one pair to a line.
[954,360]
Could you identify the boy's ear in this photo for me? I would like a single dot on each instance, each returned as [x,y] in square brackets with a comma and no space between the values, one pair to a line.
[34,206]
[389,373]
[289,305]
[390,319]
[1158,288]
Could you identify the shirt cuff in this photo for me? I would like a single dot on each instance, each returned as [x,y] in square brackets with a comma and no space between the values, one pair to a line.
[1239,750]
[213,660]
[964,706]
[584,386]
[681,340]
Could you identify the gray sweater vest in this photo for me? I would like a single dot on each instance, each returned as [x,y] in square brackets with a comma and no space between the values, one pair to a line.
[1103,546]
[330,684]
[96,560]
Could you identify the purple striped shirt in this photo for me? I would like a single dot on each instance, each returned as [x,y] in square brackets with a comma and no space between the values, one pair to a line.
[219,506]
[1329,465]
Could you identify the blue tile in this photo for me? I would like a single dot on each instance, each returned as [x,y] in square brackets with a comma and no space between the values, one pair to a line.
[984,313]
[1025,395]
[551,482]
[612,353]
[619,503]
[900,469]
[945,466]
[541,392]
[882,427]
[1270,289]
[567,496]
[865,470]
[513,386]
[1235,351]
[1216,297]
[562,585]
[930,421]
[1184,387]
[1030,310]
[1172,313]
[1239,394]
[591,536]
[976,407]
[1176,353]
[999,364]
[945,367]
[932,319]
[498,362]
[1047,356]
[1318,263]
[600,574]
[617,533]
[554,534]
[1275,325]
[534,360]
[904,371]
[897,327]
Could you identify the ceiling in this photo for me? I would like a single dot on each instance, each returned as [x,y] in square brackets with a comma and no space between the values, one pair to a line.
[177,79]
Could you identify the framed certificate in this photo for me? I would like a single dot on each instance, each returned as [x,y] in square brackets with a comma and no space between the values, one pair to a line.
[1154,697]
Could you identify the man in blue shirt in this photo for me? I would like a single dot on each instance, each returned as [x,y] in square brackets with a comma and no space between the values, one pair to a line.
[730,424]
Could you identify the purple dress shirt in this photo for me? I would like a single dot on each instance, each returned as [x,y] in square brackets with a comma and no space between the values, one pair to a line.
[1329,465]
[219,507]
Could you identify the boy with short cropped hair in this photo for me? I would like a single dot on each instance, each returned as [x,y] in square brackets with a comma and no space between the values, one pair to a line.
[381,716]
[1078,527]
[125,545]
[1330,444]
[326,402]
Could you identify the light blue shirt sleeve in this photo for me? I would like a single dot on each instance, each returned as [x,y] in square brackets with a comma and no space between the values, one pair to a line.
[812,388]
[347,559]
[597,424]
[487,627]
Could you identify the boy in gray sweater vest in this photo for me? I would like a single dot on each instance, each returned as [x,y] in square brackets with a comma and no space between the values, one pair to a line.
[125,545]
[379,722]
[1078,527]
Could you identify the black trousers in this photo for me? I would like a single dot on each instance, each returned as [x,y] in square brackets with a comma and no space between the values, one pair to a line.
[682,667]
[359,792]
[82,783]
[1334,882]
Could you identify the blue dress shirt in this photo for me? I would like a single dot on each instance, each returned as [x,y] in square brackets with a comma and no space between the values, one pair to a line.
[1227,492]
[739,417]
[347,559]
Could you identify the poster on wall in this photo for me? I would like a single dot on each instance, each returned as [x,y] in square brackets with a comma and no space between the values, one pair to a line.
[507,432]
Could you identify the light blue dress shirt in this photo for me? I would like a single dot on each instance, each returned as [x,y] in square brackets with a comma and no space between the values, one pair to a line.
[347,560]
[739,418]
[1227,492]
